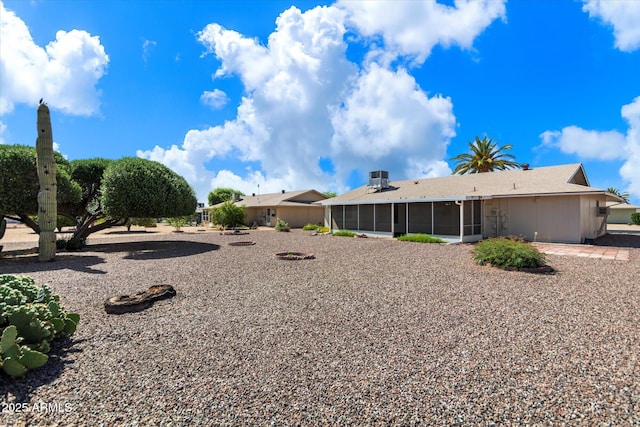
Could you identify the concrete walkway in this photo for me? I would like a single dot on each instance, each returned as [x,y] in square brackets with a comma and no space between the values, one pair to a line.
[585,251]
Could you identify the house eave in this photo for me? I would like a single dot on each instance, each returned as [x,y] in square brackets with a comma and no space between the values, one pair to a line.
[401,200]
[464,198]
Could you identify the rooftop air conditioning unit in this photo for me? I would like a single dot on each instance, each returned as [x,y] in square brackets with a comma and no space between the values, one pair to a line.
[603,210]
[379,179]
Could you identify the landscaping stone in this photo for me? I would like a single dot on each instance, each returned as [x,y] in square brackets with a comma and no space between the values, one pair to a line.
[140,301]
[376,332]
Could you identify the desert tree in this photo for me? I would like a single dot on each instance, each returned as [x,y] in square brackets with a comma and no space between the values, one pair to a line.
[484,156]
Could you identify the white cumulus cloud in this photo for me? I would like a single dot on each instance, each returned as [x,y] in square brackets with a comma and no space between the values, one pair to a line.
[414,27]
[630,170]
[623,16]
[3,128]
[306,102]
[215,99]
[283,122]
[586,144]
[604,145]
[147,47]
[389,122]
[65,72]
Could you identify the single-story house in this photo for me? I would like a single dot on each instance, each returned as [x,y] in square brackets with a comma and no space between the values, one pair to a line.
[621,213]
[296,208]
[551,204]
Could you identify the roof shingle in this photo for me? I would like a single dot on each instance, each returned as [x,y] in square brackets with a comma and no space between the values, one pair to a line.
[550,180]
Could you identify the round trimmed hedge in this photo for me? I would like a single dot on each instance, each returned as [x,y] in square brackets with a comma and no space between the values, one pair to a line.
[508,253]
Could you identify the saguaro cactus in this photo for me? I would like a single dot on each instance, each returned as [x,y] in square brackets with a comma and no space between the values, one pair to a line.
[47,204]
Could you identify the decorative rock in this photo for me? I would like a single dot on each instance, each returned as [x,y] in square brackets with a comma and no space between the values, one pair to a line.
[243,243]
[294,256]
[140,301]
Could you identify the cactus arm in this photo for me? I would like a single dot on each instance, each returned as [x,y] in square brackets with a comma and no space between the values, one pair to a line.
[47,203]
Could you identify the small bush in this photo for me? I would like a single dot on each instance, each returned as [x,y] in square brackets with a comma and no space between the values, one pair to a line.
[323,229]
[420,238]
[310,227]
[177,222]
[71,244]
[344,233]
[508,253]
[281,225]
[635,218]
[228,215]
[30,319]
[141,222]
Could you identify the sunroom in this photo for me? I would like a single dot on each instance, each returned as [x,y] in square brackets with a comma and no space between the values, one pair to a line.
[452,220]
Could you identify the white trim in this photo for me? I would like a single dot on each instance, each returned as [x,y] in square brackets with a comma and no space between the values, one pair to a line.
[584,174]
[403,200]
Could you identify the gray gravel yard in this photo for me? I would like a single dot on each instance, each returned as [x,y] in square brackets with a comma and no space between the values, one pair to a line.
[371,332]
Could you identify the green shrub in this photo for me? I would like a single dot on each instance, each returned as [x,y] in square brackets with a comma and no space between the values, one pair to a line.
[229,215]
[310,227]
[71,244]
[344,233]
[635,218]
[281,225]
[30,319]
[323,229]
[420,238]
[508,253]
[64,221]
[142,222]
[141,188]
[178,222]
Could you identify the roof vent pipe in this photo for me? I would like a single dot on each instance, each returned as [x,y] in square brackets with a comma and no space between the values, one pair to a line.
[525,166]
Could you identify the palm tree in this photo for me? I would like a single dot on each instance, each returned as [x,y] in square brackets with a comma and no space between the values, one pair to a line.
[623,195]
[485,157]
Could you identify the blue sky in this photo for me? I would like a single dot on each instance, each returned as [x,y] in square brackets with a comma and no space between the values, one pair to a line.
[263,96]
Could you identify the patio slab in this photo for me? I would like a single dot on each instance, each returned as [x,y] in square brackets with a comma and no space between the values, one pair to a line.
[584,251]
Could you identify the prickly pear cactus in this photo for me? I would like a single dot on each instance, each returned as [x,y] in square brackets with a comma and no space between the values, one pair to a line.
[31,318]
[16,359]
[47,203]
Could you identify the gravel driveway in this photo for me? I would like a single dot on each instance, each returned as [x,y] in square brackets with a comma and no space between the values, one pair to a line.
[370,332]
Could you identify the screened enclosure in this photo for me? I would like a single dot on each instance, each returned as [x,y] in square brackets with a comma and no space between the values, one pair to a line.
[436,218]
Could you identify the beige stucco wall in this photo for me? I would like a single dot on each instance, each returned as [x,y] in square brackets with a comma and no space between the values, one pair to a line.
[298,217]
[295,216]
[548,219]
[621,216]
[591,225]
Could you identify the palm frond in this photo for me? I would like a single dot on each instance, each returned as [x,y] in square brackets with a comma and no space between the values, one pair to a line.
[485,156]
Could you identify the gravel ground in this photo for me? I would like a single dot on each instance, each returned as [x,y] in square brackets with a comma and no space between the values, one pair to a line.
[370,332]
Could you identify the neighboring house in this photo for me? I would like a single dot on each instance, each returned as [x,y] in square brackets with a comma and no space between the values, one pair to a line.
[198,214]
[553,204]
[621,213]
[296,208]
